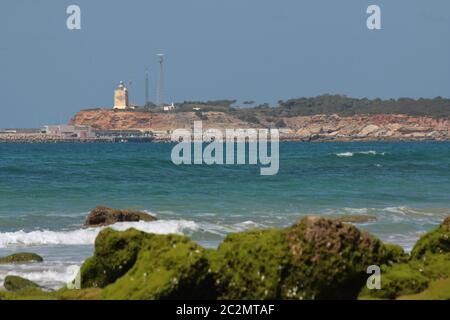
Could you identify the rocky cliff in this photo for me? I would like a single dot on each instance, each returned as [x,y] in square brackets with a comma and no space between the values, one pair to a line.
[315,127]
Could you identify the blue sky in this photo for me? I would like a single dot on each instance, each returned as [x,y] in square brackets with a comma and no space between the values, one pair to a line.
[263,50]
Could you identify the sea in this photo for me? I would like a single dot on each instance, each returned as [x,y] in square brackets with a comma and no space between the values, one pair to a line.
[47,190]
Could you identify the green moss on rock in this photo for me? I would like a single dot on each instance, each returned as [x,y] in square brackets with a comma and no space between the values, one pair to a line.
[436,241]
[429,262]
[139,266]
[399,279]
[251,265]
[71,294]
[437,290]
[316,258]
[433,266]
[23,257]
[115,253]
[15,284]
[62,294]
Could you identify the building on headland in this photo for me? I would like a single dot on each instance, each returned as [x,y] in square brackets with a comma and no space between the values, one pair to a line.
[121,97]
[68,131]
[169,108]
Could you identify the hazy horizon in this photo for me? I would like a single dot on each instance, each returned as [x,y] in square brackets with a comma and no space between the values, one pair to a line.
[254,50]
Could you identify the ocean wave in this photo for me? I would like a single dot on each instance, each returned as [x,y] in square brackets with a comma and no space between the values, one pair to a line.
[222,229]
[398,214]
[351,154]
[51,277]
[405,240]
[87,236]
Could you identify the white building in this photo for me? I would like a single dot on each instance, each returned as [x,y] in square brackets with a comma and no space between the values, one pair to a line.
[169,108]
[68,131]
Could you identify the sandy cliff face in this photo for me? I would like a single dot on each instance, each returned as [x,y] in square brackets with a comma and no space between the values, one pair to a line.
[326,127]
[110,120]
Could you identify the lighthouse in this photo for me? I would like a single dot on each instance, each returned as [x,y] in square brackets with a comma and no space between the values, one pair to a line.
[121,97]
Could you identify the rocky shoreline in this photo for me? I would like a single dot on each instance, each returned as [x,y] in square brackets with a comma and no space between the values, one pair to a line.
[315,128]
[316,258]
[320,127]
[32,138]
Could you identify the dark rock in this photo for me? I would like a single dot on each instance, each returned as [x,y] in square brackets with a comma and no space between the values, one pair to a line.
[15,284]
[103,216]
[23,257]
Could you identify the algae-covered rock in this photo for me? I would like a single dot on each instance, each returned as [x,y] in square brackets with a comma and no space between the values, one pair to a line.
[71,294]
[103,216]
[429,262]
[138,266]
[316,258]
[433,266]
[436,241]
[251,265]
[62,294]
[395,254]
[15,284]
[115,253]
[410,278]
[400,279]
[23,257]
[437,290]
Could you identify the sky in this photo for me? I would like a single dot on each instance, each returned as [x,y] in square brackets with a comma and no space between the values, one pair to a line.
[261,50]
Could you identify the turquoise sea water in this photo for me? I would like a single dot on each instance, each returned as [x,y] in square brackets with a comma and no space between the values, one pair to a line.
[46,191]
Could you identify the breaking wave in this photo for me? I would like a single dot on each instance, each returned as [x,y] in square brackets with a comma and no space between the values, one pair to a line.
[351,154]
[87,236]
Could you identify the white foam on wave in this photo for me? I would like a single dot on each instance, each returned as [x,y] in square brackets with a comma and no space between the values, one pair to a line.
[48,276]
[345,154]
[401,212]
[224,229]
[87,236]
[351,154]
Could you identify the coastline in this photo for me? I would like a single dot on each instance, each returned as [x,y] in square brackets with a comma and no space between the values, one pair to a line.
[44,139]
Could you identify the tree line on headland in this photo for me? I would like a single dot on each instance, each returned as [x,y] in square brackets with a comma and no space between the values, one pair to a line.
[438,108]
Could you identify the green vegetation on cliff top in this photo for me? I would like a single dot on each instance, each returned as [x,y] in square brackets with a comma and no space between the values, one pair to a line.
[324,104]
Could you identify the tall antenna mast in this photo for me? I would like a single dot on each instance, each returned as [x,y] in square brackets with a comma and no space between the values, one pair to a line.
[160,93]
[146,87]
[130,84]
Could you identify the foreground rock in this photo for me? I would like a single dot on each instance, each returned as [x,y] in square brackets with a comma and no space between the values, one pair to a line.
[317,258]
[23,257]
[62,294]
[425,274]
[133,265]
[314,259]
[103,216]
[15,284]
